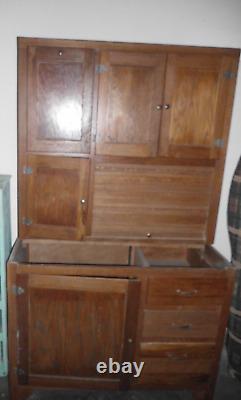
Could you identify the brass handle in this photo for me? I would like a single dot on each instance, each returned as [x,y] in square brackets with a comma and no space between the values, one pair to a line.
[182,326]
[184,293]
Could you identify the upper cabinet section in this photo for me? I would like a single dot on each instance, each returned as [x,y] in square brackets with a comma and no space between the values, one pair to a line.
[130,93]
[197,93]
[59,97]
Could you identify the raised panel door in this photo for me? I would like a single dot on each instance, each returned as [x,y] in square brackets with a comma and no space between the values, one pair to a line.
[60,85]
[69,324]
[56,201]
[130,93]
[196,101]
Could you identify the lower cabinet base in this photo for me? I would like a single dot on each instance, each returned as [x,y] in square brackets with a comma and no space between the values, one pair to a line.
[39,393]
[68,314]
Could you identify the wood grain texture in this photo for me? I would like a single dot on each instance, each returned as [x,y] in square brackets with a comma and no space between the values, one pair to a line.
[54,192]
[60,85]
[165,201]
[89,313]
[182,322]
[130,90]
[196,90]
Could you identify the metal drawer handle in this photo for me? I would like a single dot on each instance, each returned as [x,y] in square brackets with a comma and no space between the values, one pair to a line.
[184,293]
[182,326]
[176,357]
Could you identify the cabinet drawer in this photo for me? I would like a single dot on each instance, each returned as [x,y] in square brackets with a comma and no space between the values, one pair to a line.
[186,290]
[189,322]
[178,364]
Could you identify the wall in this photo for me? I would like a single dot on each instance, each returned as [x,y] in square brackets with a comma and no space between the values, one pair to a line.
[190,22]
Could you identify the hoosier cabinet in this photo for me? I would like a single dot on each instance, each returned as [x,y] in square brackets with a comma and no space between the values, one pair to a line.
[121,155]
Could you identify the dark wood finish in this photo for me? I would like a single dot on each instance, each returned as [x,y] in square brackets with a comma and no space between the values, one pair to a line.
[60,85]
[130,91]
[56,189]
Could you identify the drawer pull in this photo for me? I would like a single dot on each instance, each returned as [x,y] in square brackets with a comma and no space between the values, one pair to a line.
[184,293]
[185,327]
[176,357]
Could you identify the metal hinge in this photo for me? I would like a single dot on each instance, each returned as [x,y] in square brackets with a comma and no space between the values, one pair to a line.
[229,75]
[17,290]
[100,68]
[219,143]
[27,221]
[27,170]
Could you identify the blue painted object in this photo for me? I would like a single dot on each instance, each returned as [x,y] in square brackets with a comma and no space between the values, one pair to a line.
[5,246]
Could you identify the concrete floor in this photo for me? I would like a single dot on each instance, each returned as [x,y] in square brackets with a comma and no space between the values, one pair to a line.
[227,388]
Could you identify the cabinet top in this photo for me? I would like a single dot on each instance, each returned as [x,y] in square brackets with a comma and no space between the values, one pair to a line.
[104,45]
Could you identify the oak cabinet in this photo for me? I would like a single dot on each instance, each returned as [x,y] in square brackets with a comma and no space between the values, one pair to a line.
[176,101]
[68,324]
[121,156]
[130,94]
[56,197]
[72,308]
[196,94]
[60,85]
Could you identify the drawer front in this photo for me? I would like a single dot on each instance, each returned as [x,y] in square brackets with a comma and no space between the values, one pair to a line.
[168,364]
[182,322]
[185,291]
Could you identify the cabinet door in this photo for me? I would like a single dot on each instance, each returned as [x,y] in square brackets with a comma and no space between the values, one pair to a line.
[59,99]
[196,105]
[68,324]
[56,200]
[130,93]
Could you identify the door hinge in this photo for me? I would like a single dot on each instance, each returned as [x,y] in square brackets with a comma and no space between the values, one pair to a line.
[27,170]
[219,143]
[101,68]
[18,290]
[229,74]
[27,221]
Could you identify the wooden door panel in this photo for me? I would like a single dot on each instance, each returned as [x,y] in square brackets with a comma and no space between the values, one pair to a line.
[196,92]
[59,99]
[130,89]
[55,189]
[69,324]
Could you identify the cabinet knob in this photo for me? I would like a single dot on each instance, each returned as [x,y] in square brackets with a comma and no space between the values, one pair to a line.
[83,201]
[60,53]
[162,106]
[148,235]
[130,340]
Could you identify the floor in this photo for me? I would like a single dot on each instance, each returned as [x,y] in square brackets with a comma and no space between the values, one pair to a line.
[227,388]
